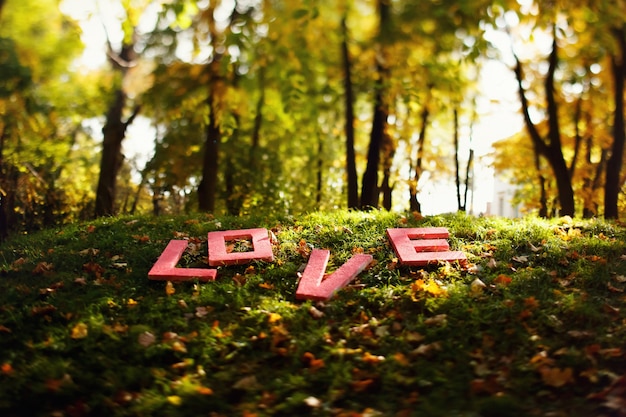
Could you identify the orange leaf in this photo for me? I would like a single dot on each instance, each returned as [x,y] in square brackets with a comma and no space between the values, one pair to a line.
[369,358]
[361,385]
[556,377]
[503,280]
[205,391]
[7,369]
[531,302]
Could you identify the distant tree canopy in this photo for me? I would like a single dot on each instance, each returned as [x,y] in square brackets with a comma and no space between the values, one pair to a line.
[294,106]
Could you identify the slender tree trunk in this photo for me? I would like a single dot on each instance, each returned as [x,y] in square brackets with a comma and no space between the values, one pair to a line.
[114,131]
[111,160]
[457,163]
[352,184]
[369,185]
[386,188]
[615,161]
[414,203]
[320,167]
[551,150]
[4,224]
[207,189]
[555,151]
[543,194]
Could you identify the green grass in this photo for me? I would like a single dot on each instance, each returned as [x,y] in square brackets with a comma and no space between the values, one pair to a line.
[533,326]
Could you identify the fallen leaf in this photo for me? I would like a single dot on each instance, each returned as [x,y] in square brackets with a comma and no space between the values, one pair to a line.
[79,331]
[438,320]
[89,252]
[169,288]
[204,390]
[80,281]
[274,317]
[315,313]
[313,402]
[174,400]
[361,385]
[247,383]
[503,280]
[42,268]
[556,377]
[372,359]
[146,339]
[7,368]
[426,349]
[477,287]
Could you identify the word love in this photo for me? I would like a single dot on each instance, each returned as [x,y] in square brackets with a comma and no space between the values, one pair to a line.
[413,247]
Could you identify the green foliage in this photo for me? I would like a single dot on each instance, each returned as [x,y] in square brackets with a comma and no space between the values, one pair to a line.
[537,314]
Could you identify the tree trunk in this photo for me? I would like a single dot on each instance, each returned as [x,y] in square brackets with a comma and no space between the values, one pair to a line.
[386,188]
[413,201]
[543,194]
[207,189]
[552,149]
[352,184]
[457,163]
[113,131]
[614,163]
[208,185]
[369,186]
[4,224]
[320,171]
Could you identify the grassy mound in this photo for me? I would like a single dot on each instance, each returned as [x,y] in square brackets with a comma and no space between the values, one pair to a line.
[534,325]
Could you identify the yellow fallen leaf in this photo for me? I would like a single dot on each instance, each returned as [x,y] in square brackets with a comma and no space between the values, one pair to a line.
[79,331]
[174,400]
[169,288]
[274,317]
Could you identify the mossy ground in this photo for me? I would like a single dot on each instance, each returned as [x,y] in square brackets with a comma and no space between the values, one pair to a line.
[535,325]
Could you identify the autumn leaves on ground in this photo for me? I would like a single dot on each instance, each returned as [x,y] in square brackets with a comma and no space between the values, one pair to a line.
[534,325]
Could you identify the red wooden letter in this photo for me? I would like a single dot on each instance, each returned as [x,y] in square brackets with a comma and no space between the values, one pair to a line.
[218,255]
[312,286]
[421,246]
[165,267]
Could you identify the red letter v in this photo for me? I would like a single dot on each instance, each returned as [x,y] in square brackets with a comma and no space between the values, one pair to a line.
[312,287]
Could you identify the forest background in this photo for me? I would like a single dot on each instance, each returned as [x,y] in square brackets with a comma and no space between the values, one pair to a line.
[293,106]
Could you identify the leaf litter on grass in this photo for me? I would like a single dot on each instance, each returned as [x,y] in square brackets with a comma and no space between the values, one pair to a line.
[535,326]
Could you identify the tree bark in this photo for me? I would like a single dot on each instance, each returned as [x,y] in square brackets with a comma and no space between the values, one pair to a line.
[4,224]
[457,164]
[369,186]
[551,150]
[111,159]
[207,189]
[386,188]
[114,132]
[352,179]
[210,164]
[614,164]
[414,203]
